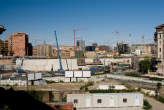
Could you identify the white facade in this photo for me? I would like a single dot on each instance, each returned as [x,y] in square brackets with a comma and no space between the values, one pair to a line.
[48,64]
[106,100]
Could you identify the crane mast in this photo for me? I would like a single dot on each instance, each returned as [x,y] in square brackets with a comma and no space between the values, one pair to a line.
[58,52]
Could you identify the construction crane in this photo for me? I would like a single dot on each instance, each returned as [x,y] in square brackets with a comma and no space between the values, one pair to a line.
[74,36]
[20,69]
[60,70]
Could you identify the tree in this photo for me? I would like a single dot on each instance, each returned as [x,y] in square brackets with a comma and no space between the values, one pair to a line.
[4,51]
[153,65]
[158,87]
[145,65]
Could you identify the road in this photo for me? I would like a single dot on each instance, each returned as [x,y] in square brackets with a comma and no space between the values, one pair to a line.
[156,105]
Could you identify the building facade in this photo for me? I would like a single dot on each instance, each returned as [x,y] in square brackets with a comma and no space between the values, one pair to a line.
[159,45]
[43,50]
[18,45]
[104,48]
[107,101]
[80,45]
[143,49]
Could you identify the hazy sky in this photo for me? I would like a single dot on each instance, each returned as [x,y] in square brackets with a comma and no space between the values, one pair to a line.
[94,19]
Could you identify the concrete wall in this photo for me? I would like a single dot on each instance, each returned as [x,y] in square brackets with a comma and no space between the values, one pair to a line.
[47,64]
[108,100]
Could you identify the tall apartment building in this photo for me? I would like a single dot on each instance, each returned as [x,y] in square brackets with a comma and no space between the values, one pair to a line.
[159,45]
[18,45]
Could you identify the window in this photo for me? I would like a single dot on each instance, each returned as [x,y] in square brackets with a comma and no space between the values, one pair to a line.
[75,101]
[99,101]
[124,100]
[160,49]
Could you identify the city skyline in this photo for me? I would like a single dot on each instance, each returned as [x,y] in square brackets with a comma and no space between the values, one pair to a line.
[97,20]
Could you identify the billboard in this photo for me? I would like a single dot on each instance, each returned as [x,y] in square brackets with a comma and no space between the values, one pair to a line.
[69,74]
[78,74]
[86,74]
[30,76]
[38,76]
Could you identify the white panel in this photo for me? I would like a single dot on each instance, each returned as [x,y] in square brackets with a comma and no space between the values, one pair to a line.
[38,76]
[86,74]
[78,74]
[68,74]
[88,101]
[30,76]
[137,101]
[111,101]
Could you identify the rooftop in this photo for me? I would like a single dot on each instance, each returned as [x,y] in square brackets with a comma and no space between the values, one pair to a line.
[107,93]
[160,26]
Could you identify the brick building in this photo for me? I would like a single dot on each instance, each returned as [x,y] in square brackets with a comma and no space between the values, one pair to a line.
[18,45]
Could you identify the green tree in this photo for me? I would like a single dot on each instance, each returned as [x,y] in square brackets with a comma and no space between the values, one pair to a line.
[145,65]
[158,87]
[4,51]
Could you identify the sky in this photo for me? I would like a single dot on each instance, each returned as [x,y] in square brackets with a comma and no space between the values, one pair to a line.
[95,20]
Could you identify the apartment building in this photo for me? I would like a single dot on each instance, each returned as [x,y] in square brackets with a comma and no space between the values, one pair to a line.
[18,45]
[159,45]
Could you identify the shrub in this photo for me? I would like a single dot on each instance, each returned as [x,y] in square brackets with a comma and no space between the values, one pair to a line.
[132,74]
[147,105]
